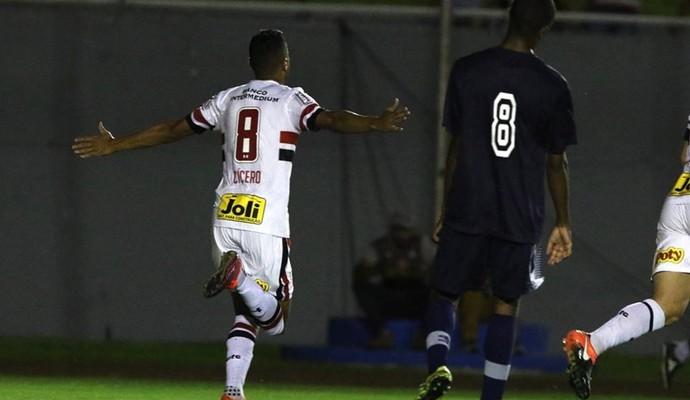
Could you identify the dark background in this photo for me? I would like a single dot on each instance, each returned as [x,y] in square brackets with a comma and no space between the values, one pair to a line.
[119,246]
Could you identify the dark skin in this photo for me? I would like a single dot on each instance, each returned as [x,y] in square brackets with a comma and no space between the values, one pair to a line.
[559,245]
[342,121]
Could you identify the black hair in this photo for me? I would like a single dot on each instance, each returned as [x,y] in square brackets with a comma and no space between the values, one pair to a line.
[267,50]
[527,17]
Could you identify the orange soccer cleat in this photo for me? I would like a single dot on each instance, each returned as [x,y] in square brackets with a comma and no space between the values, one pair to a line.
[581,359]
[226,275]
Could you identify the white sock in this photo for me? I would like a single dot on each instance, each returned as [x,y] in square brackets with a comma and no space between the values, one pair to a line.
[263,306]
[260,303]
[682,351]
[630,323]
[240,351]
[241,278]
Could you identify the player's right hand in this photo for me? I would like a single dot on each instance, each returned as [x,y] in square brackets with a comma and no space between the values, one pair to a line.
[93,146]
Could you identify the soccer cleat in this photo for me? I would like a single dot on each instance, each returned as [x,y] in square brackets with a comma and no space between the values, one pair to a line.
[227,397]
[436,384]
[581,360]
[669,364]
[226,275]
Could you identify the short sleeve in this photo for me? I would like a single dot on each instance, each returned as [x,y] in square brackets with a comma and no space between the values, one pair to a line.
[560,130]
[301,108]
[206,116]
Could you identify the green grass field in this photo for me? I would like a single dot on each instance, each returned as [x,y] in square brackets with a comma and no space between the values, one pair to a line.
[65,388]
[48,369]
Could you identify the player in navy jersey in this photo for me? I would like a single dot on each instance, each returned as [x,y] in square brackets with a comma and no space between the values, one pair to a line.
[510,119]
[261,122]
[670,298]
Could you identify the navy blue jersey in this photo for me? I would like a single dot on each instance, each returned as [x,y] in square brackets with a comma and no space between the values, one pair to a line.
[508,110]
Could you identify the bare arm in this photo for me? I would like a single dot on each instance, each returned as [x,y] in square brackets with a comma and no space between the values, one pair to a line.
[451,160]
[684,152]
[345,121]
[560,245]
[104,143]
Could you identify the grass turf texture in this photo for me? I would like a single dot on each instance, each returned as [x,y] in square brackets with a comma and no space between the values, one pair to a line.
[57,369]
[31,388]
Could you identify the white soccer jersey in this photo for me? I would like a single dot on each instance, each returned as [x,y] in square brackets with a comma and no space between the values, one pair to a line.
[260,122]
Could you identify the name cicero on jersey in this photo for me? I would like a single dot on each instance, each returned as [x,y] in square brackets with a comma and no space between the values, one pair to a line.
[260,122]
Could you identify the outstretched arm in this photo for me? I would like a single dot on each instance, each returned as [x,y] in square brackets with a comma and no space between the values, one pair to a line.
[104,143]
[560,245]
[345,121]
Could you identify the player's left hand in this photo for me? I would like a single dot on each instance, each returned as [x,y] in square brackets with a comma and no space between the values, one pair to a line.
[560,244]
[392,117]
[93,146]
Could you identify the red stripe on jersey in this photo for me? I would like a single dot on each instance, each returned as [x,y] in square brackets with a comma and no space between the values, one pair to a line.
[288,137]
[199,119]
[307,110]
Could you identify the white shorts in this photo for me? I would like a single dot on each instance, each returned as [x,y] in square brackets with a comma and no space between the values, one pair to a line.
[265,258]
[673,238]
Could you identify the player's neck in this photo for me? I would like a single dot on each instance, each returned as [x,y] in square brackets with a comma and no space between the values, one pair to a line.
[279,77]
[519,45]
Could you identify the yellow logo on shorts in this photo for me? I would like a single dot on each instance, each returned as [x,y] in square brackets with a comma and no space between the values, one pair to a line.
[682,186]
[263,285]
[670,254]
[245,208]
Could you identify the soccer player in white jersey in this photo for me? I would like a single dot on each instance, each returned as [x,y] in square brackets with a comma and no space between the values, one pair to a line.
[260,122]
[671,281]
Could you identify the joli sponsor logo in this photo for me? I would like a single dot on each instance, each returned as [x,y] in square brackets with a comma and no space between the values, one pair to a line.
[242,208]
